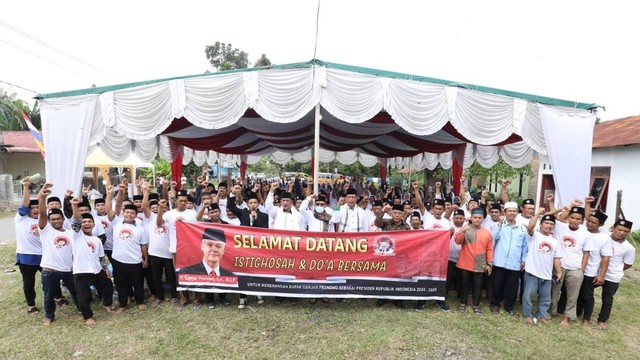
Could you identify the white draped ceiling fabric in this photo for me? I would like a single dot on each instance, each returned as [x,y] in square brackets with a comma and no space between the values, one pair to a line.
[370,116]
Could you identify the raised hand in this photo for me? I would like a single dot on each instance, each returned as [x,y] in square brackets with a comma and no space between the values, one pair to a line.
[506,182]
[551,198]
[75,201]
[86,189]
[68,193]
[46,191]
[110,189]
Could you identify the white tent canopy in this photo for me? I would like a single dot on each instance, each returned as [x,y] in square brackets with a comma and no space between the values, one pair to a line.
[97,158]
[368,115]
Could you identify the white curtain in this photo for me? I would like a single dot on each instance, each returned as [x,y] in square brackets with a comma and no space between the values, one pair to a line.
[569,138]
[66,129]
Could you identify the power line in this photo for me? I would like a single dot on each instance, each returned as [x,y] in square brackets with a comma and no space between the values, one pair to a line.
[33,38]
[45,59]
[18,86]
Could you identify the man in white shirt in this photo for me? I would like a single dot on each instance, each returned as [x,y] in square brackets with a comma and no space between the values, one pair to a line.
[542,258]
[160,258]
[130,252]
[285,217]
[572,238]
[179,213]
[597,250]
[28,246]
[89,266]
[350,217]
[621,260]
[57,256]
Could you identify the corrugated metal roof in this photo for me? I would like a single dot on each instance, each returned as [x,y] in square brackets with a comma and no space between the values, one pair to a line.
[620,132]
[22,142]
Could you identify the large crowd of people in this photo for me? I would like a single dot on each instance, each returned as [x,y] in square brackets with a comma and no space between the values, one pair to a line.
[507,250]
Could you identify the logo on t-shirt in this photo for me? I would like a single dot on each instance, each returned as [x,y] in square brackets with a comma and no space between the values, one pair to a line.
[33,230]
[545,247]
[568,242]
[60,242]
[162,229]
[105,224]
[436,226]
[91,246]
[125,234]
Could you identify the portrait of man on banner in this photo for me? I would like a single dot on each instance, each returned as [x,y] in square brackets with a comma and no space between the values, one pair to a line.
[384,246]
[212,246]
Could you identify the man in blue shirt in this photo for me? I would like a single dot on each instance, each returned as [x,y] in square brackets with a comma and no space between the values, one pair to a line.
[509,254]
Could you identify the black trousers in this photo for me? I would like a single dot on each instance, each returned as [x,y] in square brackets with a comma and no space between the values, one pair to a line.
[29,282]
[586,300]
[476,279]
[453,277]
[609,289]
[504,287]
[148,276]
[83,284]
[127,276]
[158,267]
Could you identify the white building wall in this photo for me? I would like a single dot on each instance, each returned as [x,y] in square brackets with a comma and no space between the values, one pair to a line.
[625,175]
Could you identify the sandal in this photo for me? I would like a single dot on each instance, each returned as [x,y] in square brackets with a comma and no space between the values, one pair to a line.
[33,310]
[462,308]
[477,310]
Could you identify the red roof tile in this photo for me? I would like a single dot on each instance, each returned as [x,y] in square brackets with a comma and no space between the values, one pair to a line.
[618,132]
[22,142]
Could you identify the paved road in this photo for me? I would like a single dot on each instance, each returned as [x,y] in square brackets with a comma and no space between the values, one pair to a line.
[7,230]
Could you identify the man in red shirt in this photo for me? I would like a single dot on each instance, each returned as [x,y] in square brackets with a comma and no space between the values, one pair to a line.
[476,258]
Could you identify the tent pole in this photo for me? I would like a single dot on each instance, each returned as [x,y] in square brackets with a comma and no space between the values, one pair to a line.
[316,149]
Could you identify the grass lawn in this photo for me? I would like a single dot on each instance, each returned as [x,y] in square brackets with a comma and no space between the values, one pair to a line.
[356,329]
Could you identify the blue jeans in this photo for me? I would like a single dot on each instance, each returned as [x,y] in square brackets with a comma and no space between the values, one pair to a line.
[50,284]
[535,285]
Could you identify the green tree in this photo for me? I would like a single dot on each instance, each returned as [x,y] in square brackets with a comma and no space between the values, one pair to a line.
[501,170]
[263,61]
[224,57]
[11,110]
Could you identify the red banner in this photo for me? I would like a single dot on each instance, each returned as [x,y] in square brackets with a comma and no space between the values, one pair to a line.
[394,265]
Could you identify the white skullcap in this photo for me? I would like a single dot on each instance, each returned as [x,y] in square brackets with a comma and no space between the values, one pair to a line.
[511,205]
